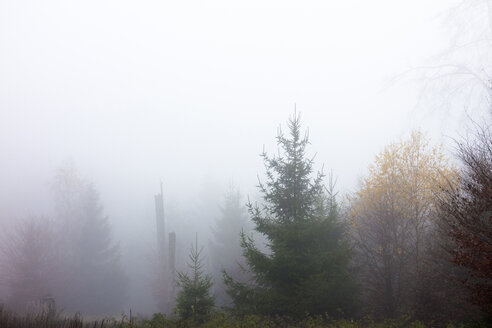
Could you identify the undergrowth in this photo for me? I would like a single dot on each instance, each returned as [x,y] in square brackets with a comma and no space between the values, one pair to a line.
[50,318]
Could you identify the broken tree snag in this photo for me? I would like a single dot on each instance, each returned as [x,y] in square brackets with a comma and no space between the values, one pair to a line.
[172,263]
[159,220]
[172,269]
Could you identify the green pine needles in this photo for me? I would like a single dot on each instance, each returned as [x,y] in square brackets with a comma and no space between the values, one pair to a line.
[194,302]
[306,270]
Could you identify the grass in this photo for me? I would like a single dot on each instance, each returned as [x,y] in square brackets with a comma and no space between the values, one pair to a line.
[50,318]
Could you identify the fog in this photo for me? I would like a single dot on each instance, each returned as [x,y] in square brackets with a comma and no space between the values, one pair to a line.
[191,92]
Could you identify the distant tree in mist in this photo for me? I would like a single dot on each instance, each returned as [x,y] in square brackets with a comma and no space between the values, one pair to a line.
[225,249]
[393,219]
[460,76]
[28,259]
[307,269]
[466,218]
[92,279]
[70,258]
[194,302]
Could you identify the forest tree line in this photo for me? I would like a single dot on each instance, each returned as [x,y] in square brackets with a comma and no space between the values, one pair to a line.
[415,240]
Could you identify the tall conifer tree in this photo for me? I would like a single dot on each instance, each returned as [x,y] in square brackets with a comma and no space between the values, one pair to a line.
[307,267]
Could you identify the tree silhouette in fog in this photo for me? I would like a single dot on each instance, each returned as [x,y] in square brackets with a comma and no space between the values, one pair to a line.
[29,263]
[91,277]
[225,249]
[393,218]
[466,217]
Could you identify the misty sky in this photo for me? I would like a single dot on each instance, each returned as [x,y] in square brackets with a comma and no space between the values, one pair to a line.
[189,92]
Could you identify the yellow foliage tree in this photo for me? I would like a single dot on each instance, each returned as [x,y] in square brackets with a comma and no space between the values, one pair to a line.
[392,218]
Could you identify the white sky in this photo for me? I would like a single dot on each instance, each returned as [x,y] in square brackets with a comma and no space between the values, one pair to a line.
[190,91]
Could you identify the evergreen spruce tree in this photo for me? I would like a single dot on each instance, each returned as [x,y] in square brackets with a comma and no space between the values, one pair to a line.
[194,302]
[306,270]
